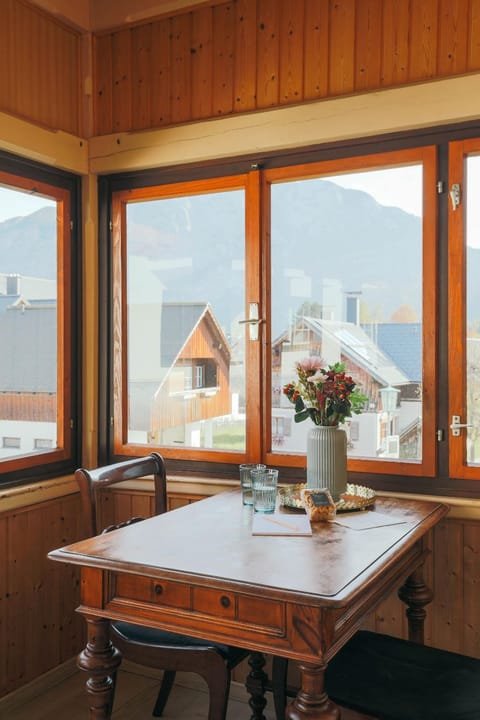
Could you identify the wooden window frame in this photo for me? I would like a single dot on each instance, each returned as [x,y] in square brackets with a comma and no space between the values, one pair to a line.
[64,188]
[427,156]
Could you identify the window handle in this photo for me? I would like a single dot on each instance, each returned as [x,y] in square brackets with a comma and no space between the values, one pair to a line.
[456,425]
[253,321]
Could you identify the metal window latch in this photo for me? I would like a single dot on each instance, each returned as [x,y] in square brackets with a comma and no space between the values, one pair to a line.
[456,425]
[455,195]
[253,320]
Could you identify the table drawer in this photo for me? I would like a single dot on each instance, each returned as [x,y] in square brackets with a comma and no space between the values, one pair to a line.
[214,602]
[160,592]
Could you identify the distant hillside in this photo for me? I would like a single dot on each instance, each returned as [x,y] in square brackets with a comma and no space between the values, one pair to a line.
[28,244]
[336,233]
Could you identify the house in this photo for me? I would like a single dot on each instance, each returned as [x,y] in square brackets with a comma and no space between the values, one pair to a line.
[193,372]
[100,101]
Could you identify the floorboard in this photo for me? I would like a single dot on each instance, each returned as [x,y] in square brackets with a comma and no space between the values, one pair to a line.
[135,696]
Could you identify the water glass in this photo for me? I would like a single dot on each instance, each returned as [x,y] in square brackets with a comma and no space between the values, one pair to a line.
[246,480]
[264,484]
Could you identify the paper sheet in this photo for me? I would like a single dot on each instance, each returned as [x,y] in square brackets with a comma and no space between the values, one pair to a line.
[366,520]
[280,524]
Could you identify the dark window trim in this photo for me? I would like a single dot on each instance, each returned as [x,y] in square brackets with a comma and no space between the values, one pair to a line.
[439,136]
[23,167]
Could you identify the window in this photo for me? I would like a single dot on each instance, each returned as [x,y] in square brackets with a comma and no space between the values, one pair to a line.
[464,346]
[345,257]
[11,443]
[37,320]
[181,349]
[348,283]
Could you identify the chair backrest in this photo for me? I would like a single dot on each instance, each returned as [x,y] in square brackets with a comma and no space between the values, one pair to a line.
[91,480]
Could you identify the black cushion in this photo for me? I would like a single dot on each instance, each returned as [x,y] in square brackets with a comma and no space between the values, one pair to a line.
[400,680]
[151,636]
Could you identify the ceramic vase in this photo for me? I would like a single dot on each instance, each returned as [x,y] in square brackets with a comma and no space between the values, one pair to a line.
[327,459]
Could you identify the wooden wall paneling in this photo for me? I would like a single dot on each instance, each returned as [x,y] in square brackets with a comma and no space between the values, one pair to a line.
[473,36]
[448,611]
[471,611]
[395,46]
[42,597]
[6,42]
[123,506]
[245,91]
[122,80]
[268,60]
[316,49]
[223,58]
[141,506]
[102,78]
[68,85]
[161,103]
[23,90]
[423,39]
[181,38]
[4,592]
[342,46]
[141,76]
[202,63]
[368,45]
[18,567]
[292,23]
[453,31]
[72,625]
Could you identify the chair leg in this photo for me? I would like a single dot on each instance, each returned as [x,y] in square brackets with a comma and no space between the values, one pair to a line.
[167,684]
[279,685]
[218,681]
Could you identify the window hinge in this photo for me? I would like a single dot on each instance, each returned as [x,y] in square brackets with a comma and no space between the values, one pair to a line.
[71,224]
[72,423]
[440,187]
[110,225]
[440,435]
[111,421]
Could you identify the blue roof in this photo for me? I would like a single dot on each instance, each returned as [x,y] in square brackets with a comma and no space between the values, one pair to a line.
[402,342]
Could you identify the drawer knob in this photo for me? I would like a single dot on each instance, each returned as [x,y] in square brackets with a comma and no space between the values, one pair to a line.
[158,589]
[225,601]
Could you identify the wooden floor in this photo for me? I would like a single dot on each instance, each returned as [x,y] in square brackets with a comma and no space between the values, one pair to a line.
[61,696]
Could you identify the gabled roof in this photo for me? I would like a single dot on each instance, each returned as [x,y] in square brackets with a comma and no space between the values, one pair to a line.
[402,342]
[179,321]
[355,344]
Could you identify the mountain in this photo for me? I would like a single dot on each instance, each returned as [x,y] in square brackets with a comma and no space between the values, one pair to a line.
[28,245]
[320,232]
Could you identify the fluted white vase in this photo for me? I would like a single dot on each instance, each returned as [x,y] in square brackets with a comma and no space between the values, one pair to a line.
[327,459]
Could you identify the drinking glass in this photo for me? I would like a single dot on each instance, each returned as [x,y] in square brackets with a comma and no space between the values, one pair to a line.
[246,480]
[264,484]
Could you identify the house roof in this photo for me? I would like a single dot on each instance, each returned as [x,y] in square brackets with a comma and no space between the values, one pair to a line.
[179,320]
[28,361]
[402,342]
[356,345]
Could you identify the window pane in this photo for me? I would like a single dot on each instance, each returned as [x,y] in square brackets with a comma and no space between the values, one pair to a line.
[185,296]
[473,310]
[28,322]
[347,286]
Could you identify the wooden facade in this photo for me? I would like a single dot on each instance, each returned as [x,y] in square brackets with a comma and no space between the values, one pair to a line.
[218,59]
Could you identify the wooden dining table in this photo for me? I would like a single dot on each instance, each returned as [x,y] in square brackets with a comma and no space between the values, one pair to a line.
[199,570]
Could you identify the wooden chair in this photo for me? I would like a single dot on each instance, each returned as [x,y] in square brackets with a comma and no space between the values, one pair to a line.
[146,646]
[393,679]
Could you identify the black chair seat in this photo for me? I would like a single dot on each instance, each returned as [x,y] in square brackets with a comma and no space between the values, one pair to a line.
[150,636]
[400,680]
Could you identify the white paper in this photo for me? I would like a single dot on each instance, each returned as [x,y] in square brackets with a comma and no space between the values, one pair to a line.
[366,520]
[280,524]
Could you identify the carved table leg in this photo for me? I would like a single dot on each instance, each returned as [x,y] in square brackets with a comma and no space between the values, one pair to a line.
[416,595]
[256,683]
[312,702]
[100,660]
